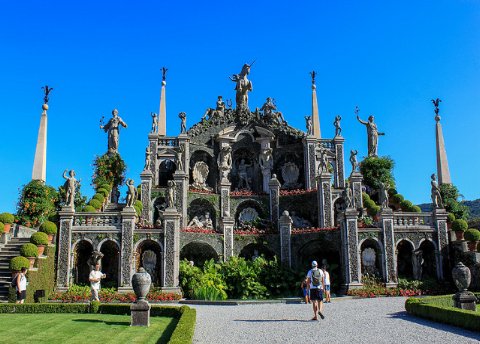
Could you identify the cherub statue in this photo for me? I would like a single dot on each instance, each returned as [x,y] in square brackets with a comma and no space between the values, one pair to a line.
[171,194]
[131,193]
[353,159]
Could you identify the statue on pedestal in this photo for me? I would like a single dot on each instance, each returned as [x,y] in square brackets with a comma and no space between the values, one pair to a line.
[183,122]
[148,158]
[436,195]
[154,122]
[224,161]
[373,135]
[383,195]
[348,196]
[353,160]
[70,188]
[243,86]
[179,157]
[113,129]
[324,154]
[131,193]
[336,123]
[266,159]
[309,124]
[243,180]
[171,194]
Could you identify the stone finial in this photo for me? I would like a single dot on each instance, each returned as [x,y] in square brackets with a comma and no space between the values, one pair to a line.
[46,91]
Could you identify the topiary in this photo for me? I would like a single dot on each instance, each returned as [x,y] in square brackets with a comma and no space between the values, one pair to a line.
[406,205]
[99,197]
[137,210]
[103,191]
[472,234]
[106,186]
[29,250]
[397,198]
[459,225]
[450,217]
[95,203]
[89,209]
[19,262]
[416,209]
[48,227]
[7,218]
[39,238]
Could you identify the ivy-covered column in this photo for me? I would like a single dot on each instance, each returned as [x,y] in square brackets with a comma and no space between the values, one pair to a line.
[147,213]
[285,228]
[356,179]
[339,179]
[126,249]
[441,239]
[172,249]
[274,188]
[309,146]
[351,252]
[324,193]
[390,260]
[64,264]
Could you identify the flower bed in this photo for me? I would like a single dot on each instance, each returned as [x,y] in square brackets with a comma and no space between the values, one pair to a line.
[253,231]
[246,193]
[296,192]
[313,230]
[382,291]
[198,230]
[200,191]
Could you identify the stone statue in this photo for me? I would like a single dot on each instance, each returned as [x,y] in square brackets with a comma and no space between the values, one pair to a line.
[324,154]
[309,123]
[417,263]
[266,159]
[195,222]
[353,160]
[220,109]
[242,86]
[243,180]
[95,258]
[373,135]
[348,196]
[46,91]
[383,195]
[336,123]
[201,222]
[164,73]
[224,161]
[171,194]
[290,174]
[113,130]
[70,188]
[436,195]
[436,103]
[207,222]
[313,74]
[299,222]
[131,193]
[270,113]
[183,122]
[200,175]
[154,122]
[148,158]
[179,157]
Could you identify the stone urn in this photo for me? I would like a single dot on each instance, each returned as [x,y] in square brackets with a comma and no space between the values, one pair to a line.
[461,276]
[141,282]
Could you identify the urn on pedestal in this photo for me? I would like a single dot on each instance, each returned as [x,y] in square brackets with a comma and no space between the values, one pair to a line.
[140,309]
[462,278]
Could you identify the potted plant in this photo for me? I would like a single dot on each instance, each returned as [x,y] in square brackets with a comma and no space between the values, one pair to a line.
[49,228]
[450,219]
[29,251]
[472,235]
[41,240]
[19,262]
[459,226]
[7,220]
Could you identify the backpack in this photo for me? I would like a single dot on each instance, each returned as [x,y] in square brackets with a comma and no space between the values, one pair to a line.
[14,282]
[316,278]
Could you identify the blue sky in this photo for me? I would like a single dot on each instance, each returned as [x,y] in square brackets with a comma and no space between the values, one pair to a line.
[389,58]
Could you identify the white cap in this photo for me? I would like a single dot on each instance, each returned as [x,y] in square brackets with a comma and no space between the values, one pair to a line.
[314,263]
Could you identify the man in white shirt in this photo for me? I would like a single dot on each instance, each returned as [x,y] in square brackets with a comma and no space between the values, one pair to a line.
[95,277]
[316,281]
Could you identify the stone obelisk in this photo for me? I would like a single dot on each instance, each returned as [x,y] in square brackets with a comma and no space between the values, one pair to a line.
[315,118]
[443,171]
[39,171]
[162,118]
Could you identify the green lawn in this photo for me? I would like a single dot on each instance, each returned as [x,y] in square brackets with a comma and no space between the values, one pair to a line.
[82,328]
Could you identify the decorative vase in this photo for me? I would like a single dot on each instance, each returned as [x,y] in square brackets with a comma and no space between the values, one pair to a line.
[141,282]
[472,246]
[50,238]
[32,262]
[41,249]
[459,235]
[461,276]
[6,227]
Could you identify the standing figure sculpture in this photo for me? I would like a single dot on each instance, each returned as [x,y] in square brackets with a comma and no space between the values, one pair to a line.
[243,182]
[183,122]
[224,161]
[436,195]
[131,193]
[220,109]
[179,157]
[348,196]
[148,158]
[171,194]
[243,86]
[338,128]
[324,153]
[373,135]
[383,195]
[353,160]
[154,122]
[113,130]
[70,188]
[309,124]
[266,160]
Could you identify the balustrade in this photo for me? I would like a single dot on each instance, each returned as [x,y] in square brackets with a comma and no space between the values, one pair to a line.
[412,220]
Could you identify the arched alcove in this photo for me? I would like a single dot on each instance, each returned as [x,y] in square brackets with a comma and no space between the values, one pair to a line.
[254,250]
[198,253]
[201,155]
[404,259]
[165,172]
[110,263]
[428,261]
[149,255]
[199,207]
[81,269]
[371,257]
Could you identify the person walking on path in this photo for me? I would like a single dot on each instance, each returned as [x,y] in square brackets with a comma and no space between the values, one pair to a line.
[316,281]
[95,277]
[327,284]
[21,285]
[305,290]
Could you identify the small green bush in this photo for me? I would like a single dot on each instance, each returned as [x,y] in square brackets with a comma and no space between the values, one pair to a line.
[95,203]
[107,187]
[459,225]
[103,191]
[138,211]
[48,227]
[450,217]
[89,209]
[139,204]
[397,198]
[2,226]
[29,250]
[19,262]
[472,234]
[99,197]
[7,218]
[416,209]
[39,238]
[406,205]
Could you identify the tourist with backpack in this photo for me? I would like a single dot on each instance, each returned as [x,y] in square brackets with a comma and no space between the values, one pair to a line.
[316,280]
[19,282]
[327,284]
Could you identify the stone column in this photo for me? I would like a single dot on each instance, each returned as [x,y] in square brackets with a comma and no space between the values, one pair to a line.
[285,228]
[274,191]
[224,199]
[126,249]
[390,259]
[324,192]
[356,180]
[351,250]
[153,142]
[147,213]
[172,249]
[64,264]
[226,224]
[181,181]
[441,240]
[339,179]
[309,146]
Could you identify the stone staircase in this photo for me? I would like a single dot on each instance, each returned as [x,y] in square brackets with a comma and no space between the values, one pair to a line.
[7,252]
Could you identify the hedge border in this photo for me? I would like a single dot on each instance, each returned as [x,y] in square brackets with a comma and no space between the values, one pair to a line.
[426,308]
[185,315]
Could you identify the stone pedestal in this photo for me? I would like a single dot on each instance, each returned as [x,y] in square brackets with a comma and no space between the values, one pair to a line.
[225,198]
[64,262]
[147,180]
[465,300]
[339,179]
[441,240]
[172,247]
[140,311]
[126,249]
[309,146]
[181,181]
[274,192]
[350,254]
[325,208]
[285,228]
[390,261]
[356,180]
[226,223]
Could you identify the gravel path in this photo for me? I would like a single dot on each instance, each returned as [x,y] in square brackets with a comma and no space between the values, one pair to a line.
[381,320]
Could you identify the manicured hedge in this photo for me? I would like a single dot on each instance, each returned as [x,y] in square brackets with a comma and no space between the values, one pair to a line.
[45,308]
[48,227]
[7,218]
[99,197]
[2,227]
[436,308]
[95,203]
[39,238]
[89,209]
[19,262]
[186,326]
[29,250]
[459,225]
[103,191]
[472,234]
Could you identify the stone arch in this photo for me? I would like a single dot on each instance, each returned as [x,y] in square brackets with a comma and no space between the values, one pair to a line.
[159,206]
[338,205]
[110,262]
[199,206]
[199,252]
[206,157]
[404,255]
[166,169]
[371,261]
[254,250]
[149,254]
[82,250]
[429,264]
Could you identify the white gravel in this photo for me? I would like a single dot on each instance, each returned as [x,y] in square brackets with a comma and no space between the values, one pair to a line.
[382,320]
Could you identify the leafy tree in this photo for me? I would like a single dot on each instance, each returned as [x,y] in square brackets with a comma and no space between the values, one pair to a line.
[450,197]
[376,170]
[37,203]
[109,169]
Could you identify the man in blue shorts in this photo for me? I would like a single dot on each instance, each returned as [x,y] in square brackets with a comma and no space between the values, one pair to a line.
[316,280]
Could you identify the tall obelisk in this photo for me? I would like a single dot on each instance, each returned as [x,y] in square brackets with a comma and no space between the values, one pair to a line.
[443,171]
[39,171]
[315,118]
[162,118]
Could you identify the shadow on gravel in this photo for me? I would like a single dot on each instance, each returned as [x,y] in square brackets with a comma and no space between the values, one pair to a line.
[438,326]
[272,320]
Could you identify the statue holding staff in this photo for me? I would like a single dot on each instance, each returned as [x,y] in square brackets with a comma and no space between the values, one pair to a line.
[372,133]
[113,130]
